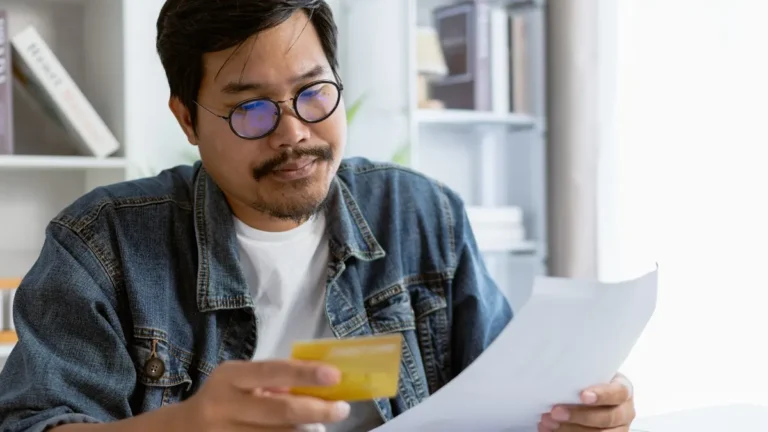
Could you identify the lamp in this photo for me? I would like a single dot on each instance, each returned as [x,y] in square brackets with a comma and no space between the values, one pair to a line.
[431,65]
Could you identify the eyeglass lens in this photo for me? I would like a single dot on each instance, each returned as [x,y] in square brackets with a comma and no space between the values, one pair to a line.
[257,118]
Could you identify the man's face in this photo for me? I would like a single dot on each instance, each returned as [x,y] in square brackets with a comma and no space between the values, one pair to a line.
[284,176]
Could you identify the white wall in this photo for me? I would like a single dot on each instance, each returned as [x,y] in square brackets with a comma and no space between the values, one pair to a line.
[159,142]
[689,190]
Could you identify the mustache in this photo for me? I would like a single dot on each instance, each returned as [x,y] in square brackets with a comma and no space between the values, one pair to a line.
[321,153]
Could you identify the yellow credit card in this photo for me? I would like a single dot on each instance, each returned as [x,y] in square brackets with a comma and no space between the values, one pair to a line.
[369,365]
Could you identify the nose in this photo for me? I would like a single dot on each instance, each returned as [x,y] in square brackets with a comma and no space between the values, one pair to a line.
[290,131]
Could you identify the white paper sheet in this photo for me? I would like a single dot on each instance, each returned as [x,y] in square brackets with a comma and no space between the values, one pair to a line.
[570,335]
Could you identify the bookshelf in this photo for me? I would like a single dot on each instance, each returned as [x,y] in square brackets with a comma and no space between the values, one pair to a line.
[5,351]
[122,78]
[494,157]
[7,342]
[457,117]
[43,163]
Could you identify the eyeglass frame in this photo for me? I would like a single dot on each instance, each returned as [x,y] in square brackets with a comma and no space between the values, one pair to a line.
[278,104]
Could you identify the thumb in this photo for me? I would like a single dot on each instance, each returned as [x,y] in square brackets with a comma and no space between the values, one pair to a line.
[613,394]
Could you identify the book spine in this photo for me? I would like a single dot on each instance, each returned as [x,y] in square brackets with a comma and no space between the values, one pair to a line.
[482,72]
[6,88]
[80,115]
[518,65]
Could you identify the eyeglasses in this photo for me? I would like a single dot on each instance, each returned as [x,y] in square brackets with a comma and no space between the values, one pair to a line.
[256,118]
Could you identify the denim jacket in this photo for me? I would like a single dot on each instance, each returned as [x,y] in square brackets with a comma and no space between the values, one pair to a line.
[152,264]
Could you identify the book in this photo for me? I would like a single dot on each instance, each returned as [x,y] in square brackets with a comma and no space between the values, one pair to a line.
[40,73]
[464,31]
[8,337]
[8,288]
[6,87]
[518,65]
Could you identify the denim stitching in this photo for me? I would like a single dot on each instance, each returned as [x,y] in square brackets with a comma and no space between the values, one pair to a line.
[90,216]
[373,167]
[202,233]
[375,249]
[427,355]
[186,357]
[448,213]
[396,327]
[100,258]
[430,279]
[410,362]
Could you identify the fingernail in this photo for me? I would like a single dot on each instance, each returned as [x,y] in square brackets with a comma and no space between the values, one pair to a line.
[550,424]
[328,376]
[342,409]
[589,397]
[560,414]
[311,428]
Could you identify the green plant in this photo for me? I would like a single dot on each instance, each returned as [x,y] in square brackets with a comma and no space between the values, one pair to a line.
[355,108]
[402,155]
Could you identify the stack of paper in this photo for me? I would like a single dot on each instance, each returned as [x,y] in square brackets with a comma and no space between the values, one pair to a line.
[571,334]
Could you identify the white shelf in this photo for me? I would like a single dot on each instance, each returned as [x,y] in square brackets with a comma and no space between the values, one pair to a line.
[514,4]
[5,350]
[473,118]
[500,230]
[517,248]
[15,162]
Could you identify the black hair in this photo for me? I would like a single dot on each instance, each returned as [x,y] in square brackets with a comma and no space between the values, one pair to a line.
[187,29]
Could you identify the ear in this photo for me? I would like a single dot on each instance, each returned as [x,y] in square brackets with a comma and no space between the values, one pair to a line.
[183,117]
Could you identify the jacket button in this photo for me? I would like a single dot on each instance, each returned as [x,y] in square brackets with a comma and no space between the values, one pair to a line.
[154,368]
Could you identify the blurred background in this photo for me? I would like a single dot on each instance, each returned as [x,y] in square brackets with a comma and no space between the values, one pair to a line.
[588,138]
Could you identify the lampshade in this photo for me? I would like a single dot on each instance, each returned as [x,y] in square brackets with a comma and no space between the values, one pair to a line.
[431,60]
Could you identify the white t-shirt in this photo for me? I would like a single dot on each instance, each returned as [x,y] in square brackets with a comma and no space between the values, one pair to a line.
[286,273]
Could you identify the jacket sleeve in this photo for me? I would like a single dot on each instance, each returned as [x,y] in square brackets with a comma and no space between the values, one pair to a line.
[71,364]
[480,310]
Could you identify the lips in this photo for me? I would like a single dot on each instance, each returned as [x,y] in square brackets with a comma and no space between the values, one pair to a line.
[296,165]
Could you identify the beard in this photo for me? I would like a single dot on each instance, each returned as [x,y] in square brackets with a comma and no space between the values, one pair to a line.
[296,203]
[298,200]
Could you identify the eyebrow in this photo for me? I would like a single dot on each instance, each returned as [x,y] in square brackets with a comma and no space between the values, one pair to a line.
[236,87]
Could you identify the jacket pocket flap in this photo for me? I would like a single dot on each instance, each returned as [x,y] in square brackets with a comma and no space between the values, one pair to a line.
[175,370]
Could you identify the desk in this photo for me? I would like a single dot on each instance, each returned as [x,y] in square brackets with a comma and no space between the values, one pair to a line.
[714,419]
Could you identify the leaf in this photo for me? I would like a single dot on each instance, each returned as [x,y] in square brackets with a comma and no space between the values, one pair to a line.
[354,109]
[402,156]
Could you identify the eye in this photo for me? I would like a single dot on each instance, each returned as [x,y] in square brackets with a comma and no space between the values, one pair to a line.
[310,93]
[315,91]
[253,105]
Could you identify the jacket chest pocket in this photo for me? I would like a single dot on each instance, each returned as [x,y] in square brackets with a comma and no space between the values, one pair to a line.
[162,374]
[419,312]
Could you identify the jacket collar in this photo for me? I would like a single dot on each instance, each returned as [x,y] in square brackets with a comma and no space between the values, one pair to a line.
[220,280]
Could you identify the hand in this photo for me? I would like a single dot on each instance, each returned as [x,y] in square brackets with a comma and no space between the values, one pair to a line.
[253,397]
[606,408]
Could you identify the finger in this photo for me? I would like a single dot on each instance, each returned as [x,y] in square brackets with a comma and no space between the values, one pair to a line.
[611,394]
[302,428]
[623,380]
[595,417]
[577,428]
[548,424]
[247,375]
[281,410]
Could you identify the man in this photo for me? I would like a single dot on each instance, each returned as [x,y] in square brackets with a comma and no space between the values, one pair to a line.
[170,303]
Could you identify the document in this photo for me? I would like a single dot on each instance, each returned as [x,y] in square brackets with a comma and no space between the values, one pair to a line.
[570,335]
